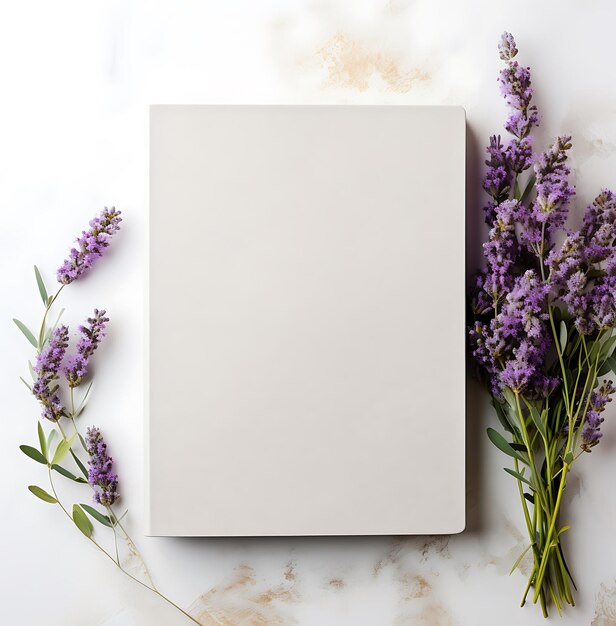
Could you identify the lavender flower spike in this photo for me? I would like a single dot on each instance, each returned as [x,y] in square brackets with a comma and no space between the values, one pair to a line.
[100,473]
[91,335]
[92,244]
[598,399]
[47,366]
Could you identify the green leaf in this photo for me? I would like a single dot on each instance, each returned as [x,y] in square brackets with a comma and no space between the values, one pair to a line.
[27,332]
[564,529]
[99,517]
[41,286]
[65,472]
[25,383]
[32,372]
[519,559]
[499,441]
[42,494]
[529,187]
[502,417]
[33,453]
[519,477]
[82,521]
[42,440]
[516,190]
[53,433]
[529,497]
[80,465]
[510,398]
[62,449]
[568,458]
[563,336]
[82,404]
[538,420]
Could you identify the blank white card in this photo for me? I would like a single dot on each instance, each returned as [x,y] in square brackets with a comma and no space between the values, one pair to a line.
[306,320]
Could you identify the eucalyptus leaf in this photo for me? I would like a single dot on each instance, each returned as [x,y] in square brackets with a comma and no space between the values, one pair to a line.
[99,517]
[42,494]
[65,472]
[33,453]
[499,441]
[62,449]
[27,332]
[80,465]
[42,440]
[82,521]
[41,286]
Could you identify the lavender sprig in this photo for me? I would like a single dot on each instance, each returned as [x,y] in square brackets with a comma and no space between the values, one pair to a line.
[92,244]
[51,346]
[101,474]
[48,363]
[77,365]
[544,317]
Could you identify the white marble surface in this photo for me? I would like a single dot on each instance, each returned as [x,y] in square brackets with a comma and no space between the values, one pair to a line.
[76,81]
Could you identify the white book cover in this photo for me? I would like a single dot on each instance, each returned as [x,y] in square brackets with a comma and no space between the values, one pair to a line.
[306,320]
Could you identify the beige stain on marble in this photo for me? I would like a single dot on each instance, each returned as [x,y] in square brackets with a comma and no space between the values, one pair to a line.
[245,601]
[605,609]
[353,64]
[336,584]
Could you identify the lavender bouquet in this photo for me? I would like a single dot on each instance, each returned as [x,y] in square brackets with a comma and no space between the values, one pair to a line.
[543,311]
[63,449]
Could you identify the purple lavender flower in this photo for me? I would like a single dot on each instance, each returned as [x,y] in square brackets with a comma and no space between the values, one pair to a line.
[515,85]
[47,366]
[591,433]
[498,177]
[91,335]
[100,472]
[92,244]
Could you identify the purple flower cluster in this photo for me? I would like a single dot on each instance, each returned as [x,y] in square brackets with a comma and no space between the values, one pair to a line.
[92,244]
[583,270]
[91,335]
[100,472]
[512,346]
[593,419]
[47,366]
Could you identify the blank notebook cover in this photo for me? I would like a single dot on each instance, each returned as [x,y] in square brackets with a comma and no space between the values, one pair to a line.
[306,320]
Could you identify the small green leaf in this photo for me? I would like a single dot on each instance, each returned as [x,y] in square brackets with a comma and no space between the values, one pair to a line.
[27,332]
[33,453]
[42,440]
[499,441]
[502,417]
[564,529]
[82,521]
[65,472]
[519,477]
[41,286]
[529,187]
[25,383]
[99,517]
[568,458]
[529,497]
[538,420]
[53,433]
[563,336]
[519,559]
[82,404]
[42,494]
[510,398]
[516,190]
[80,465]
[62,449]
[611,361]
[32,372]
